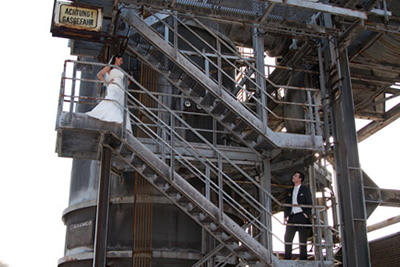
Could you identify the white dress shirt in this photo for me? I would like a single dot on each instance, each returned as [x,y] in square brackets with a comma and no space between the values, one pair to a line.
[294,200]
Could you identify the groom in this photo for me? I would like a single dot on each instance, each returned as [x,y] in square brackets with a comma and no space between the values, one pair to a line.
[298,195]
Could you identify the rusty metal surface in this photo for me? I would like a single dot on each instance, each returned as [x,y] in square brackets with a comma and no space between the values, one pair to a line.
[383,224]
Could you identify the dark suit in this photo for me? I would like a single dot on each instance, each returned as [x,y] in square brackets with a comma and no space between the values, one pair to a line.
[303,198]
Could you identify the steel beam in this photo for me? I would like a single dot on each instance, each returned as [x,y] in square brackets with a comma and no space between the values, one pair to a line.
[102,211]
[390,116]
[204,8]
[349,173]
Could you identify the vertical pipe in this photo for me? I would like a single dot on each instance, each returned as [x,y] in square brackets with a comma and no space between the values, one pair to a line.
[316,212]
[206,65]
[220,188]
[172,158]
[175,34]
[135,216]
[219,63]
[328,237]
[207,186]
[102,211]
[316,115]
[310,115]
[258,47]
[265,184]
[125,107]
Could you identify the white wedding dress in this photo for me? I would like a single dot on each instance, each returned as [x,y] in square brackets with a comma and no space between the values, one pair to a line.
[112,108]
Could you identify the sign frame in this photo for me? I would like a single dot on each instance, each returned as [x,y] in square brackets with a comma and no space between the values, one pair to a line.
[77,16]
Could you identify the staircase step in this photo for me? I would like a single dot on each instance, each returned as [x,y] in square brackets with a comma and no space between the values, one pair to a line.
[251,259]
[208,100]
[230,118]
[242,249]
[240,127]
[216,228]
[218,108]
[148,172]
[251,136]
[170,190]
[187,82]
[181,199]
[138,163]
[176,73]
[155,56]
[204,218]
[159,181]
[125,151]
[143,48]
[164,186]
[192,209]
[198,90]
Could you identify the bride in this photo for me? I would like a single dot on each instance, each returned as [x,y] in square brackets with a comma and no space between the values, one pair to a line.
[112,109]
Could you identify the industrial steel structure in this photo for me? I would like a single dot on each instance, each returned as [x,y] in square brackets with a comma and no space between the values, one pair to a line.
[218,131]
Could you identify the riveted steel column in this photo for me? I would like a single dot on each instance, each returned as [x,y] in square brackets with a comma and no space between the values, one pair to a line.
[103,200]
[348,173]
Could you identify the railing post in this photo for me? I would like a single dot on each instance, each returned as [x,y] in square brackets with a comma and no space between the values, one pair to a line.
[322,82]
[207,186]
[71,107]
[219,64]
[125,107]
[318,243]
[61,97]
[220,188]
[172,152]
[164,137]
[310,114]
[315,213]
[328,237]
[206,65]
[175,34]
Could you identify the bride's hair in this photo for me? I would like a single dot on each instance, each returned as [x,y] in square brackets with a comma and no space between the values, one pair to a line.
[113,58]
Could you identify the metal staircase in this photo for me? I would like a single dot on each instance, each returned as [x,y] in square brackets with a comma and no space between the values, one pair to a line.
[186,193]
[191,201]
[210,94]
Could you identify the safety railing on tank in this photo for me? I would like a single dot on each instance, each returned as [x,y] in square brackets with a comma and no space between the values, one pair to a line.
[212,174]
[212,56]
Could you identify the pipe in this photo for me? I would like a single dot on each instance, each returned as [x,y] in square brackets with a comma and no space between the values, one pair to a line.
[383,224]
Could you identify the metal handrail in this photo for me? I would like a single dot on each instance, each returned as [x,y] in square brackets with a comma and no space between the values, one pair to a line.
[226,198]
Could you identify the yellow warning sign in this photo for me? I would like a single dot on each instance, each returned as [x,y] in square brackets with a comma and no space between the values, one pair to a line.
[78,17]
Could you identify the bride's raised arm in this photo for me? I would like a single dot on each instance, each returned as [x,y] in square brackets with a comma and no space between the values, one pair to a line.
[101,74]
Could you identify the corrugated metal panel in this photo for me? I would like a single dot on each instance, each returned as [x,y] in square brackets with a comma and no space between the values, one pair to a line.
[385,252]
